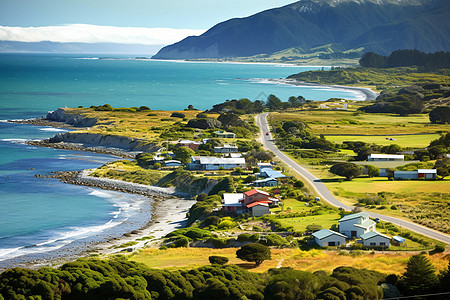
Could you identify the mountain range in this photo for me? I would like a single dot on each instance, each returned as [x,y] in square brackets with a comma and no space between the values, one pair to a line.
[381,26]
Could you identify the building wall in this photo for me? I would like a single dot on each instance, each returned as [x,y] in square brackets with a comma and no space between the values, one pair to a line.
[346,228]
[254,198]
[377,240]
[259,210]
[338,240]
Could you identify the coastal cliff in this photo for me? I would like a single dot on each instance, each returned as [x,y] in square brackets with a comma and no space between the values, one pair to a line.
[100,140]
[60,115]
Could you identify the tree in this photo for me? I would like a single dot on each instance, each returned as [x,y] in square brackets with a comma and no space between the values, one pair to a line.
[296,101]
[254,252]
[184,154]
[419,277]
[443,167]
[440,115]
[372,171]
[348,170]
[274,103]
[371,59]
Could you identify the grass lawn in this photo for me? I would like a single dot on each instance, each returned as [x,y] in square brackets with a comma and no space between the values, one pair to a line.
[326,220]
[412,141]
[312,260]
[352,122]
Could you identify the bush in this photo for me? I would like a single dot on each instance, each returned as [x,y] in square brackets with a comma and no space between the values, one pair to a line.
[178,115]
[246,237]
[220,260]
[226,224]
[254,252]
[276,240]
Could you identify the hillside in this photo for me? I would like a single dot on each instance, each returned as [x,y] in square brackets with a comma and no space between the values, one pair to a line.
[381,26]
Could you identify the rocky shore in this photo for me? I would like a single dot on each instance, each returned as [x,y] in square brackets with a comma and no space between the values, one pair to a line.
[83,178]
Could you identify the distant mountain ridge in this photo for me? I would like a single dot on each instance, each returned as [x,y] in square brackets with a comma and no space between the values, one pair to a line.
[377,25]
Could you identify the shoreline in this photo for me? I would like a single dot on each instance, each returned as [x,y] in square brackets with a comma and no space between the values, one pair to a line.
[167,212]
[368,93]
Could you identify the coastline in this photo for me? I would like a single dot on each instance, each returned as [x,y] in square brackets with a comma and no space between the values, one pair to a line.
[164,212]
[368,93]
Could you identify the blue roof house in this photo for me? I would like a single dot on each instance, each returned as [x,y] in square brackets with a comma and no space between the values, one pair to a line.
[329,238]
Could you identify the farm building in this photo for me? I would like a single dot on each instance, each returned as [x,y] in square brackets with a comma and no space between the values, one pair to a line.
[214,163]
[421,173]
[385,157]
[326,237]
[355,225]
[374,238]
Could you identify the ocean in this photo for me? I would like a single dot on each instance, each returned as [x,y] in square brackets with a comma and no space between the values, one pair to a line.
[39,215]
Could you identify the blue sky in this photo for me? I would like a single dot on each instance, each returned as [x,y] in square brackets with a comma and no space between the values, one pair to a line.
[191,14]
[147,22]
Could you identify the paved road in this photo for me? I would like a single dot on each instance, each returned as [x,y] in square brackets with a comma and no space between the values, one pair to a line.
[325,194]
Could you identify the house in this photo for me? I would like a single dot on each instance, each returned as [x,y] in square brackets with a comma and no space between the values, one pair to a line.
[269,173]
[224,134]
[266,182]
[173,163]
[326,238]
[226,149]
[420,173]
[374,238]
[385,157]
[214,163]
[232,202]
[264,166]
[190,144]
[355,225]
[254,201]
[234,155]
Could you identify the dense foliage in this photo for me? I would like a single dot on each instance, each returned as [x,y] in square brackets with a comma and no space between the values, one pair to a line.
[254,252]
[406,58]
[347,170]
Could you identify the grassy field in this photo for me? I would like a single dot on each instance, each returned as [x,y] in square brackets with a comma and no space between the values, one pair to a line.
[148,125]
[312,260]
[329,122]
[412,141]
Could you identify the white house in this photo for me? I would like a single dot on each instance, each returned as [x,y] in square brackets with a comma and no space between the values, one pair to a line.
[374,238]
[385,157]
[224,134]
[355,225]
[263,165]
[326,237]
[214,163]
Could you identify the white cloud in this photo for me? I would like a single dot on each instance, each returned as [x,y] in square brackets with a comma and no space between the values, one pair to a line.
[86,33]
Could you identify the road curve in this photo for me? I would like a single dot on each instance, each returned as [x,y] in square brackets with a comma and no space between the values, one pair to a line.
[324,193]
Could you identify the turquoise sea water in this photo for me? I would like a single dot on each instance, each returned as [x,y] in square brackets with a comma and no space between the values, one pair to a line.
[37,215]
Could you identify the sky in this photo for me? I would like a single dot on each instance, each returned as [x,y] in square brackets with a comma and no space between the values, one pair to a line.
[148,22]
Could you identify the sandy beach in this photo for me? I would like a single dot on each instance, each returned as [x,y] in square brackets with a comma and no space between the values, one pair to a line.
[367,93]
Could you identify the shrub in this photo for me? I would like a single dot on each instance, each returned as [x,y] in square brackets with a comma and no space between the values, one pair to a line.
[276,240]
[177,115]
[254,252]
[218,242]
[226,224]
[220,260]
[246,237]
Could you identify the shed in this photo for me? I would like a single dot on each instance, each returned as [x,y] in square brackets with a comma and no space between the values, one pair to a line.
[258,209]
[374,238]
[265,182]
[427,173]
[326,237]
[385,157]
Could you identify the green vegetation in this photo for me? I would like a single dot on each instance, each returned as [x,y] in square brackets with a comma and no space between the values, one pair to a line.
[219,260]
[375,77]
[254,252]
[405,58]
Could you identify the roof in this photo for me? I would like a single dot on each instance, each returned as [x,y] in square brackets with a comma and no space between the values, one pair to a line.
[257,203]
[272,173]
[222,132]
[265,180]
[398,239]
[371,234]
[354,216]
[428,171]
[255,191]
[262,165]
[323,233]
[206,160]
[235,155]
[232,198]
[173,161]
[365,224]
[375,155]
[189,142]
